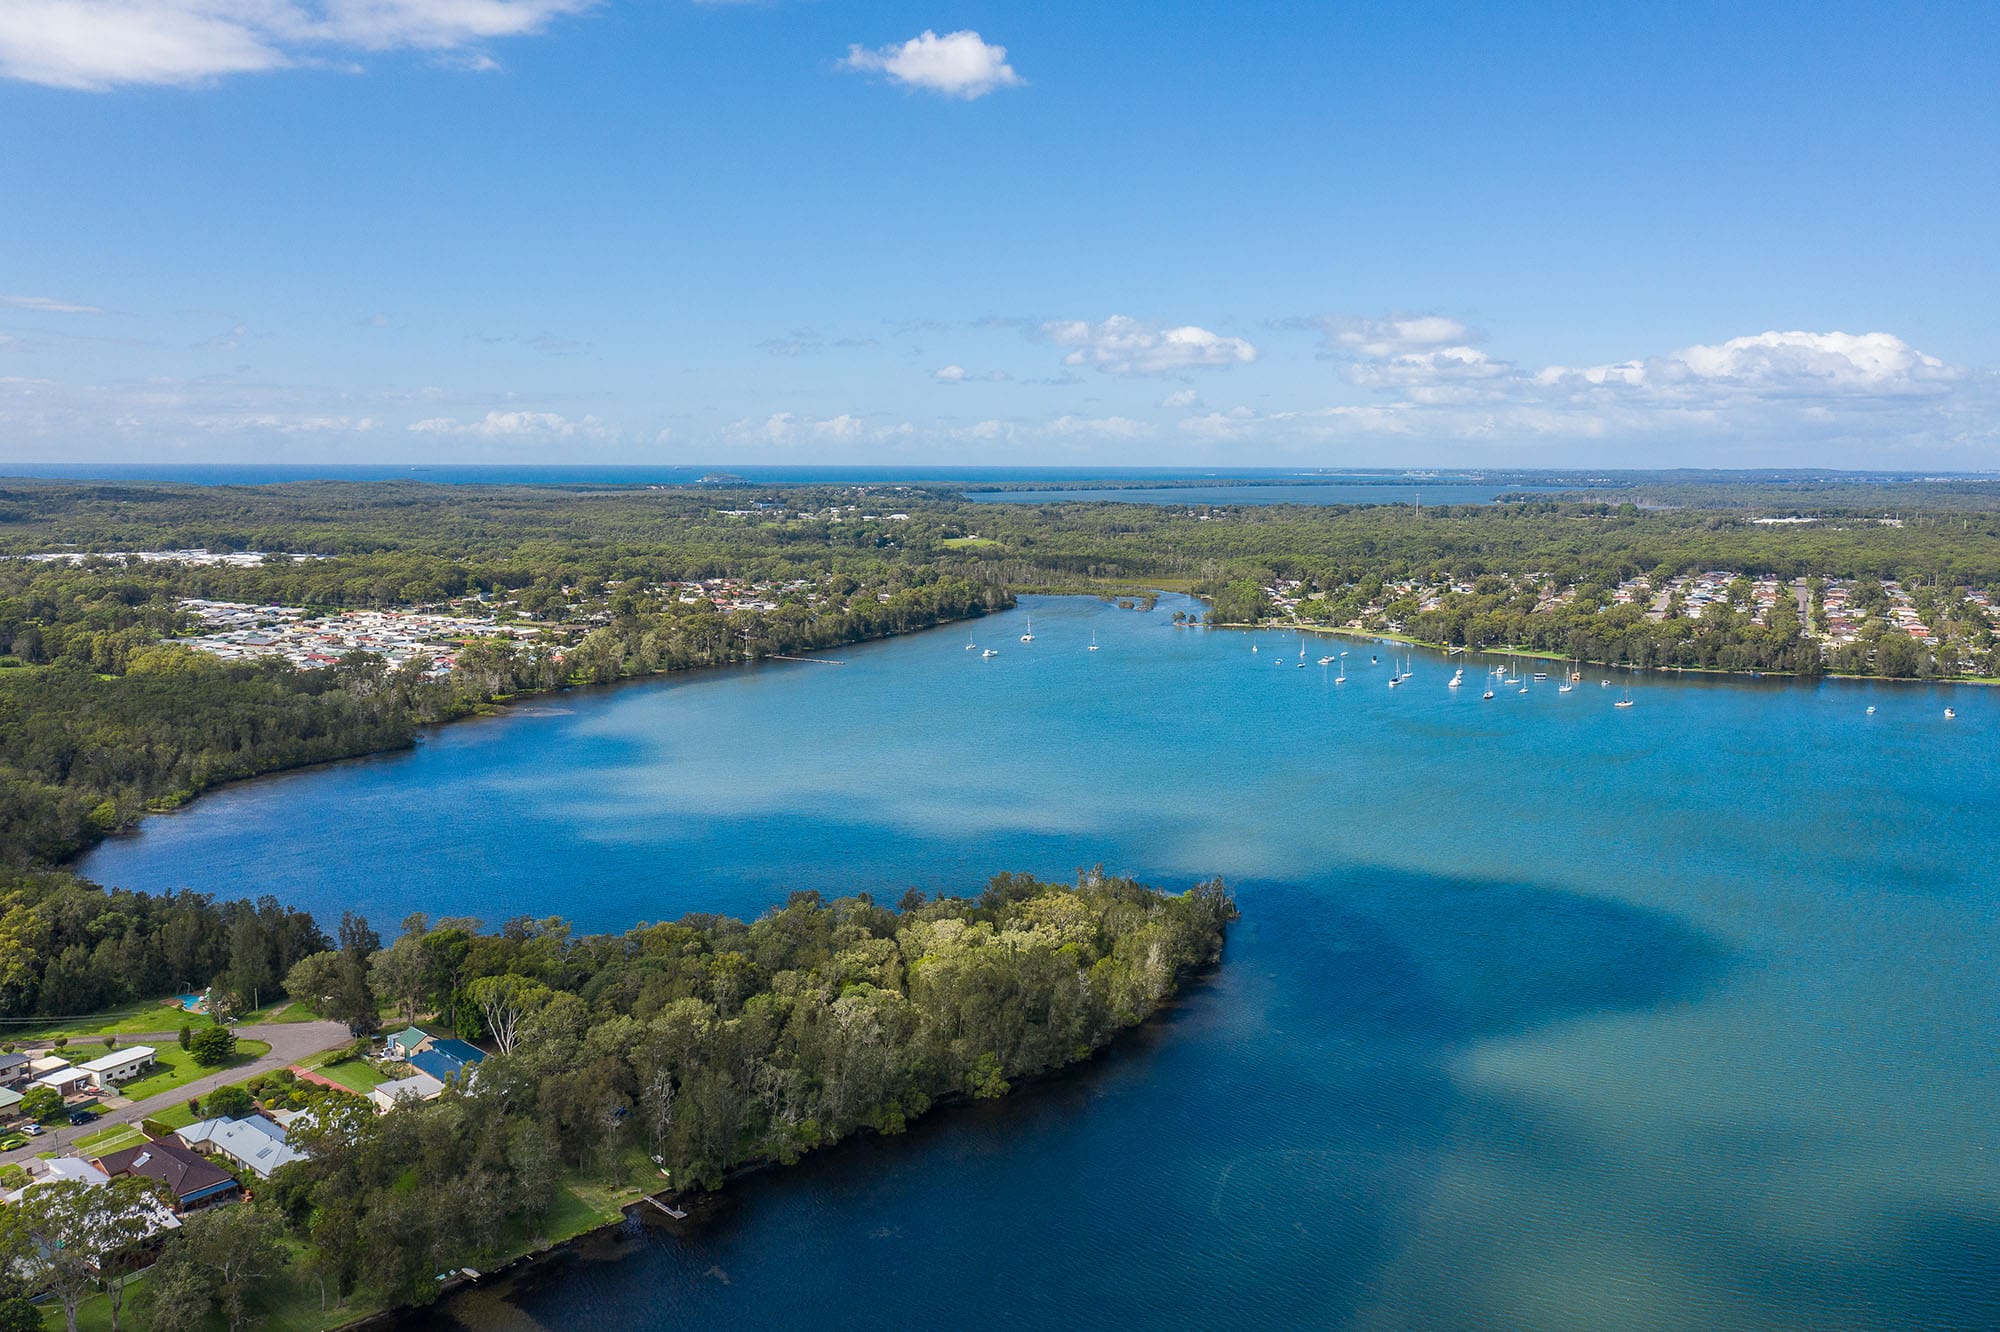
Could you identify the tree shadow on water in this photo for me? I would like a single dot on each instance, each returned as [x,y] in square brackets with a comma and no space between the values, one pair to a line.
[1251,1158]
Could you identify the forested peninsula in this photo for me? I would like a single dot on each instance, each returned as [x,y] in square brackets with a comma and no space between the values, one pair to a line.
[607,1066]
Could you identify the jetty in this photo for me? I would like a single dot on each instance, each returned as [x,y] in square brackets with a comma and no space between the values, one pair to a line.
[672,1211]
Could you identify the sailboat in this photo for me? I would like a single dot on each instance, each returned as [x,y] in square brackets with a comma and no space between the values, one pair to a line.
[1487,694]
[1093,640]
[1624,702]
[1029,637]
[969,644]
[1342,677]
[1302,654]
[1457,679]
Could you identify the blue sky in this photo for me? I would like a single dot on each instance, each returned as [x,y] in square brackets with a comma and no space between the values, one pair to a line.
[1223,234]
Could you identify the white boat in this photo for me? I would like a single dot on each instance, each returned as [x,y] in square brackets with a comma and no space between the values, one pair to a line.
[1326,661]
[1949,713]
[1564,687]
[1487,694]
[1029,637]
[1302,654]
[1093,640]
[1871,709]
[1342,677]
[990,652]
[1624,702]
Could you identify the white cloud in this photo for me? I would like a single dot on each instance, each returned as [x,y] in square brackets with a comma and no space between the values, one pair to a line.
[1101,427]
[47,305]
[790,428]
[958,64]
[1181,400]
[1795,362]
[514,425]
[1398,335]
[1125,346]
[1236,423]
[958,374]
[94,45]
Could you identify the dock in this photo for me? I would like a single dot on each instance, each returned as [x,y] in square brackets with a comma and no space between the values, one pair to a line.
[672,1211]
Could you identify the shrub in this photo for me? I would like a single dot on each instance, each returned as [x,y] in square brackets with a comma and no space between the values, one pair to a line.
[213,1047]
[187,1035]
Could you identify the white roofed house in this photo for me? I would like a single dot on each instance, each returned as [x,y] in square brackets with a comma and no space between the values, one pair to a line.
[254,1143]
[417,1087]
[67,1081]
[108,1070]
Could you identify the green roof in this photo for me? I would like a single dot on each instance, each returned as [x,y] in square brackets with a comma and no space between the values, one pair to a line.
[410,1037]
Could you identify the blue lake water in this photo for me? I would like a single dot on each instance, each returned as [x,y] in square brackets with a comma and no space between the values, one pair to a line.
[1542,1014]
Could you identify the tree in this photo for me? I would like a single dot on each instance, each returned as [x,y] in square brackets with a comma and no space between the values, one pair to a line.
[314,980]
[186,1035]
[503,1001]
[231,1102]
[212,1047]
[221,1256]
[41,1103]
[127,1218]
[400,975]
[60,1235]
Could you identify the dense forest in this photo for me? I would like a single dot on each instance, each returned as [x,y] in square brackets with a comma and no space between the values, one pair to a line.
[695,1046]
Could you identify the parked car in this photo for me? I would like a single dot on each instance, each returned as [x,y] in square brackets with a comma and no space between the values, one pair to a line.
[32,1130]
[82,1116]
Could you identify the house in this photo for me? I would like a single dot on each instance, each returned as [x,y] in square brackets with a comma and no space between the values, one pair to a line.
[10,1103]
[68,1081]
[108,1070]
[253,1143]
[406,1042]
[13,1068]
[417,1087]
[192,1179]
[43,1065]
[445,1059]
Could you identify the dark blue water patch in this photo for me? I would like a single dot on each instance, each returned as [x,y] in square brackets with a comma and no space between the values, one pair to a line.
[1247,1160]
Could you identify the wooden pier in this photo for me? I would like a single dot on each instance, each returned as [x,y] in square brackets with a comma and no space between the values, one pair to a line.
[672,1211]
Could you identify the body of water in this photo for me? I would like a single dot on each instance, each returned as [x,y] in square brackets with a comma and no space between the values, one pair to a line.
[1330,492]
[1027,485]
[1542,1013]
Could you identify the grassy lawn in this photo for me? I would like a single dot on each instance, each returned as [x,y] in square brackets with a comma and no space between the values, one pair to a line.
[357,1075]
[178,1068]
[163,1016]
[962,543]
[114,1139]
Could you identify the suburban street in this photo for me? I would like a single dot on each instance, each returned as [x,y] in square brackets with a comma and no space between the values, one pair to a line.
[289,1042]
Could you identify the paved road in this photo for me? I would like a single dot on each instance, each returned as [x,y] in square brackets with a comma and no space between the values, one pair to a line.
[289,1042]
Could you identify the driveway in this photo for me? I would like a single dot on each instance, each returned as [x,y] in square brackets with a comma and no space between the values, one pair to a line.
[289,1042]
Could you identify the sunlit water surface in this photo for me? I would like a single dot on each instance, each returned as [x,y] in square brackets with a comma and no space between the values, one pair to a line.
[1542,1013]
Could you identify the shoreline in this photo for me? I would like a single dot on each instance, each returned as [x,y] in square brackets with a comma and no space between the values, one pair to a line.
[1533,654]
[525,1265]
[499,707]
